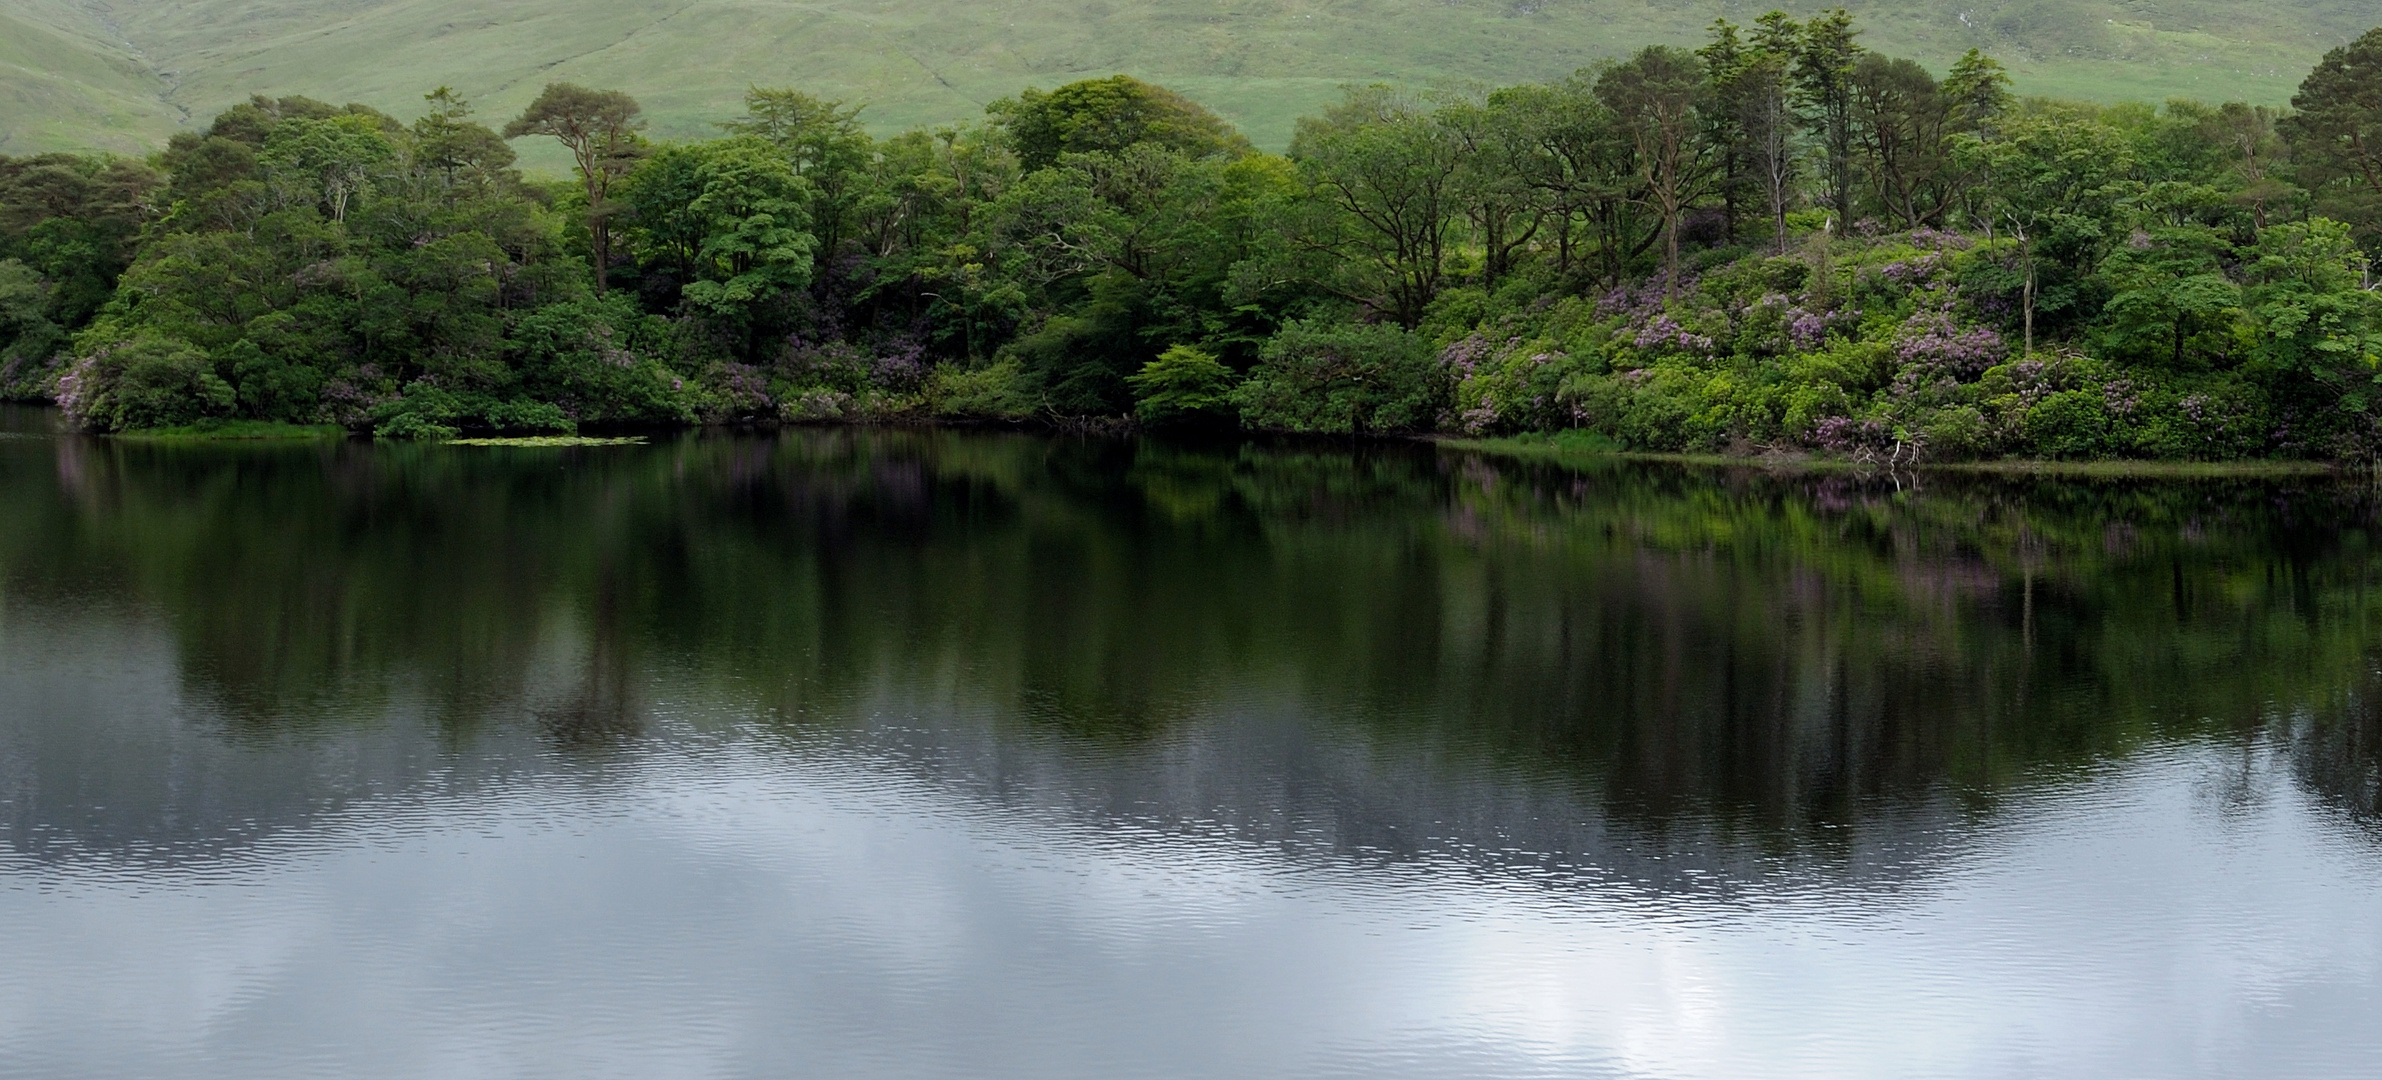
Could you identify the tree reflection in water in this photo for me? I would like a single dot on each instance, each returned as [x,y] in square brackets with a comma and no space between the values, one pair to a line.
[1787,661]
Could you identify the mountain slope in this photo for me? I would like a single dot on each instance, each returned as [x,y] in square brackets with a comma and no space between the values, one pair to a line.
[66,83]
[73,78]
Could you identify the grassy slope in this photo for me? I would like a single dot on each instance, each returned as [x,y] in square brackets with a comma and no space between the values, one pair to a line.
[67,82]
[73,81]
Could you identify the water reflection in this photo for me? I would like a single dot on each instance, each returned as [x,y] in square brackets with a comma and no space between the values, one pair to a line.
[1609,728]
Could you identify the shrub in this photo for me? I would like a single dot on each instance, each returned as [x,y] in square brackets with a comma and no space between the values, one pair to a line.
[1343,379]
[143,382]
[1958,433]
[429,411]
[2069,424]
[271,388]
[2211,418]
[598,362]
[413,425]
[997,391]
[1183,385]
[1514,386]
[1664,408]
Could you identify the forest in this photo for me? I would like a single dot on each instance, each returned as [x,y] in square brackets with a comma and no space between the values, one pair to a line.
[1780,242]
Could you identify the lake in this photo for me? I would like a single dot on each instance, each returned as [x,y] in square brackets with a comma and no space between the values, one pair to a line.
[931,753]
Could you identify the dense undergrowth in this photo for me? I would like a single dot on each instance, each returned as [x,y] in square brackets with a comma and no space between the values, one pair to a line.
[1779,243]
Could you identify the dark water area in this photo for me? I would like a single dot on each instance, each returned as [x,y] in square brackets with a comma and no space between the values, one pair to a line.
[940,753]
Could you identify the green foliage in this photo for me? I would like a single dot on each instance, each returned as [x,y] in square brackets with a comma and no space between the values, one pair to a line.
[1383,180]
[28,338]
[1110,116]
[327,161]
[2336,125]
[749,209]
[68,228]
[143,382]
[1343,380]
[1183,385]
[1784,242]
[599,362]
[2069,424]
[995,391]
[221,430]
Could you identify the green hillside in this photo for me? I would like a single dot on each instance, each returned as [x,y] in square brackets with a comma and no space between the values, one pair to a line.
[67,82]
[125,74]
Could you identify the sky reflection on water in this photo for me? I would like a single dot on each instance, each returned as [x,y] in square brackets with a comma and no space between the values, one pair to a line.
[642,826]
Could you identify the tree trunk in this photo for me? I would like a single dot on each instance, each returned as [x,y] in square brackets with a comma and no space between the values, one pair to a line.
[1778,215]
[2030,306]
[600,234]
[1670,255]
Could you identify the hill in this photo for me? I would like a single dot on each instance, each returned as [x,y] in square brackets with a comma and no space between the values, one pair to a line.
[67,82]
[123,75]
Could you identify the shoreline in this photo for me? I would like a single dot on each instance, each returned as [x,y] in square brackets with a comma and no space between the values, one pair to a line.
[1551,448]
[1567,447]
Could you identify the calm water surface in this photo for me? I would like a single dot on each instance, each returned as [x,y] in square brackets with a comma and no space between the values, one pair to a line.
[918,754]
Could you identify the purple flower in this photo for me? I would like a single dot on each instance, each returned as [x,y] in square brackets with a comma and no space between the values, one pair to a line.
[1932,339]
[1663,332]
[1939,240]
[902,366]
[1466,356]
[1915,271]
[1845,434]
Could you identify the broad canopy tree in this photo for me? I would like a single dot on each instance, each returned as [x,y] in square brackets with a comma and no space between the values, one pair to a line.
[1658,99]
[600,129]
[2335,130]
[1384,176]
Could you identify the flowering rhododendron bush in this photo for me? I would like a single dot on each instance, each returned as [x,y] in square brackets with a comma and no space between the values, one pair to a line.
[1885,348]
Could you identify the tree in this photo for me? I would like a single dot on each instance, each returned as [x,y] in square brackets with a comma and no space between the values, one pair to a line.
[2171,302]
[2319,327]
[1580,166]
[1825,56]
[823,143]
[1384,179]
[599,128]
[1657,100]
[1899,122]
[1976,92]
[1760,91]
[1104,116]
[76,222]
[1724,56]
[329,161]
[1504,208]
[2335,131]
[2249,135]
[659,203]
[27,335]
[2054,176]
[1976,95]
[754,246]
[1183,384]
[447,143]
